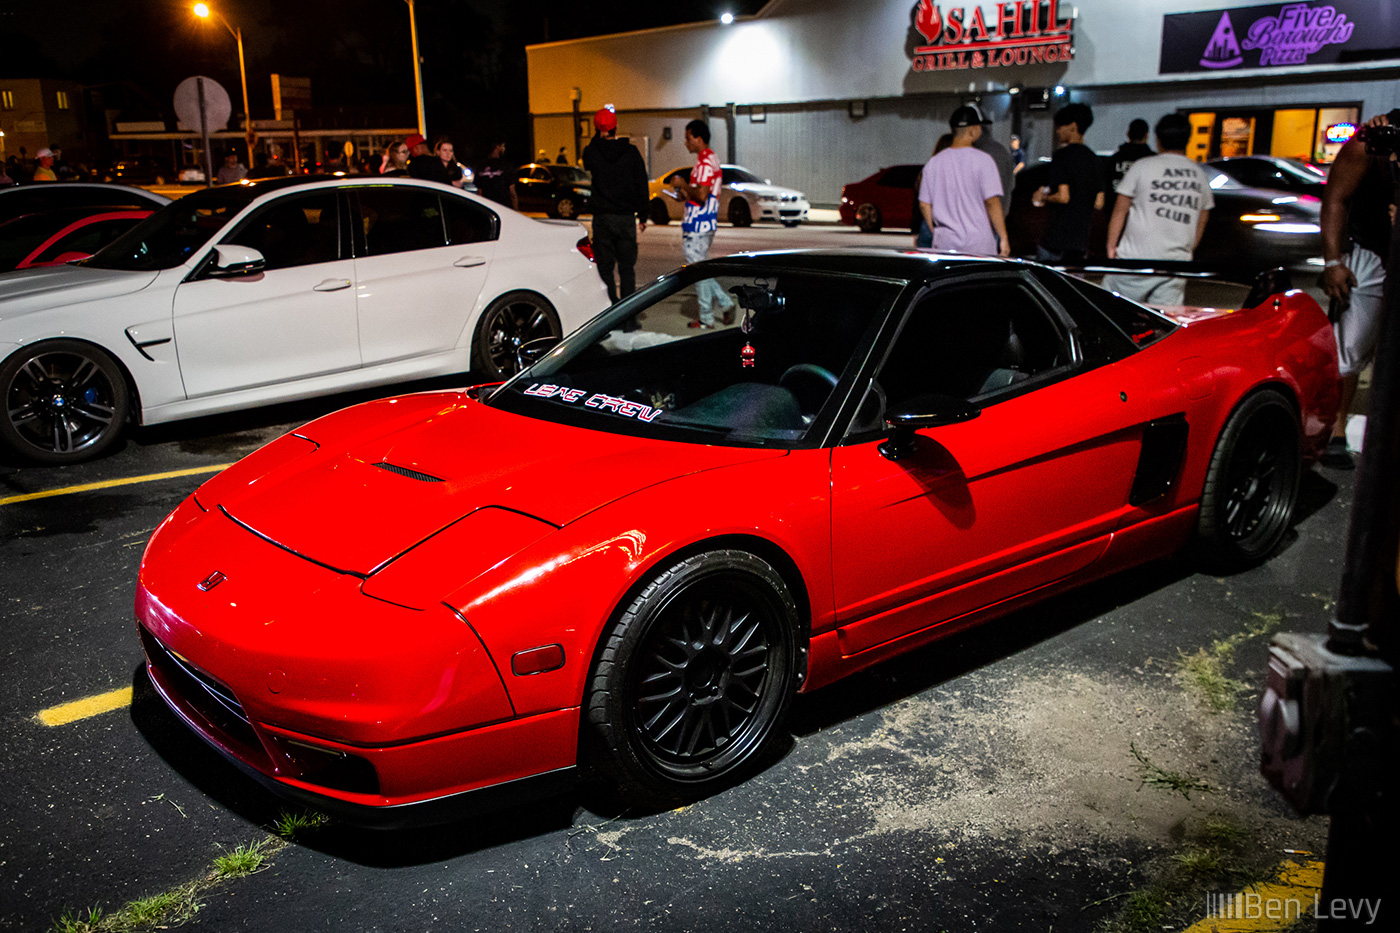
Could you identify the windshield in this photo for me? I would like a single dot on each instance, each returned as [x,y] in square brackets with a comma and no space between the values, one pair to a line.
[168,237]
[571,176]
[642,369]
[1304,172]
[733,175]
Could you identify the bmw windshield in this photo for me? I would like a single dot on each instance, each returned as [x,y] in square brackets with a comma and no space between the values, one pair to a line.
[771,373]
[168,237]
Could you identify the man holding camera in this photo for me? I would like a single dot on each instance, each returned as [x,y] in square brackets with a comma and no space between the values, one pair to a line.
[1358,208]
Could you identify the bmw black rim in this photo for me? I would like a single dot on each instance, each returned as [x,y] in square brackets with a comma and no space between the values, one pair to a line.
[705,685]
[1260,484]
[60,402]
[513,326]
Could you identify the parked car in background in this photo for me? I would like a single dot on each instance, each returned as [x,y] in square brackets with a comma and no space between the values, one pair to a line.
[1275,172]
[64,235]
[495,588]
[888,198]
[141,170]
[745,198]
[274,290]
[191,175]
[1249,227]
[92,196]
[559,190]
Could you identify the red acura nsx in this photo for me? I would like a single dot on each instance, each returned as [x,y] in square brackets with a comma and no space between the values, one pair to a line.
[630,557]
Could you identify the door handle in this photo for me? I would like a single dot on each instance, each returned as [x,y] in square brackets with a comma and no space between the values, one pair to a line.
[331,285]
[466,262]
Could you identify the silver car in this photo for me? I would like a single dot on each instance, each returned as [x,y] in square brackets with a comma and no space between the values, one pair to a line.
[744,198]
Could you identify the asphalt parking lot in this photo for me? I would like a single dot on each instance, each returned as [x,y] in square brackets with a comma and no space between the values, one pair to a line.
[1089,763]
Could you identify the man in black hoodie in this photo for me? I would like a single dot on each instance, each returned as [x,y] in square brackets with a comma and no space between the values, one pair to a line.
[619,195]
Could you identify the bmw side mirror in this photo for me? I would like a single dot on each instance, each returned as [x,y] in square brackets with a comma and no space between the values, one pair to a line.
[923,411]
[232,261]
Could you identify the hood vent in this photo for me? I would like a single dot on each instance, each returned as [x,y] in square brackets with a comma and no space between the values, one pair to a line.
[411,474]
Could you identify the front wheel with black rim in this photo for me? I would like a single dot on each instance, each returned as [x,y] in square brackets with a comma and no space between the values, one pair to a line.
[65,401]
[566,208]
[506,326]
[693,681]
[739,213]
[660,214]
[1251,484]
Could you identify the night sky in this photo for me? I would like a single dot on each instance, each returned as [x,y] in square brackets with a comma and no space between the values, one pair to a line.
[357,53]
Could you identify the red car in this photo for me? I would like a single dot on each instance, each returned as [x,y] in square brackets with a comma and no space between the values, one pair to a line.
[63,235]
[887,199]
[631,556]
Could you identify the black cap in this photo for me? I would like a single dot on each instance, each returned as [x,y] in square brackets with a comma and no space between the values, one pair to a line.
[965,116]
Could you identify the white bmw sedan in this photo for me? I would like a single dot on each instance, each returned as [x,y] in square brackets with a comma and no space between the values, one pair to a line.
[280,289]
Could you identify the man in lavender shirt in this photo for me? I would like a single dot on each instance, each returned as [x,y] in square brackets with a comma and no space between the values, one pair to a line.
[961,193]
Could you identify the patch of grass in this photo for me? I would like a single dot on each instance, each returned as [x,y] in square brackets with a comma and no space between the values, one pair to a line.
[1144,910]
[243,860]
[1176,781]
[170,908]
[1204,670]
[1220,831]
[289,824]
[1200,861]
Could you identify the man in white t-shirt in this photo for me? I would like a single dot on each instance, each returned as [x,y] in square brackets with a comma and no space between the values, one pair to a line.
[1163,204]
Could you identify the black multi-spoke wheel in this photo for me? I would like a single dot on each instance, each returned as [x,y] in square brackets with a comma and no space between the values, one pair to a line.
[1252,483]
[565,208]
[511,322]
[739,214]
[868,218]
[693,680]
[65,401]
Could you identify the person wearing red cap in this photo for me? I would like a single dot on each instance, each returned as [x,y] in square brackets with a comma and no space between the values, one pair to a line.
[619,201]
[422,161]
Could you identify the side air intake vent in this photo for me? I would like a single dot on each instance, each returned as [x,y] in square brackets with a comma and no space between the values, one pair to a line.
[411,474]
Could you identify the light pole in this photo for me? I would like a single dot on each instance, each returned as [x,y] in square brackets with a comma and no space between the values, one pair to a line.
[203,11]
[417,69]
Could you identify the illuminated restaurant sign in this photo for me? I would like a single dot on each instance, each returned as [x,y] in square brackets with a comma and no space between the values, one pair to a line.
[1280,35]
[1021,32]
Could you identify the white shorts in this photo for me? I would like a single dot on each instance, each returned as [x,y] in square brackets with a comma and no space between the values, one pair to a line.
[1358,327]
[1154,290]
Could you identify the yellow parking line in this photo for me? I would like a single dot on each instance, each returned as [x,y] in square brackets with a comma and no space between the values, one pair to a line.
[1265,906]
[109,483]
[65,713]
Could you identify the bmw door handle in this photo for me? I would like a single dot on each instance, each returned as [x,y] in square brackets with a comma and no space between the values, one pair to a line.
[466,262]
[331,285]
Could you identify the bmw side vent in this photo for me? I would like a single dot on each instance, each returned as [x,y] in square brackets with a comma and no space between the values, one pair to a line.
[411,474]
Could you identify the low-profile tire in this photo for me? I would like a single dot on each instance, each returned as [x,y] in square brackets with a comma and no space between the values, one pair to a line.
[868,218]
[739,213]
[791,223]
[506,326]
[693,681]
[659,214]
[1251,484]
[65,401]
[566,208]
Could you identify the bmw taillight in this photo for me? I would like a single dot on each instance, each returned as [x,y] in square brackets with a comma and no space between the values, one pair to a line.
[585,246]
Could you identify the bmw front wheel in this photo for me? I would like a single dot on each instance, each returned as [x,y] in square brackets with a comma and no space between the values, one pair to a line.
[65,401]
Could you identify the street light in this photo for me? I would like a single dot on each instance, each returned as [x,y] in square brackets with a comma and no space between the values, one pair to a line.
[417,68]
[203,11]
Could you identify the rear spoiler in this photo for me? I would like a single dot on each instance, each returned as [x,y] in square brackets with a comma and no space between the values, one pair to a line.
[1263,283]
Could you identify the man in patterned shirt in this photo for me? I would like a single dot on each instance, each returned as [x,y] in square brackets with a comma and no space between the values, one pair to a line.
[700,219]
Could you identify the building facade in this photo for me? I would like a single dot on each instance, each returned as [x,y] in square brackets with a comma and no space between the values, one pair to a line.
[36,113]
[818,93]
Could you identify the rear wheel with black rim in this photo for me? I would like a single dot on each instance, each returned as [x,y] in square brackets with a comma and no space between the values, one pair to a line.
[65,401]
[693,681]
[506,326]
[566,208]
[1251,483]
[660,215]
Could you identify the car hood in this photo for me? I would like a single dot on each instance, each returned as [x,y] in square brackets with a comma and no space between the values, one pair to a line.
[30,290]
[754,187]
[358,505]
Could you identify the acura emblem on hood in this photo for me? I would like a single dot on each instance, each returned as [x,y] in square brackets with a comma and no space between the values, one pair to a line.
[213,580]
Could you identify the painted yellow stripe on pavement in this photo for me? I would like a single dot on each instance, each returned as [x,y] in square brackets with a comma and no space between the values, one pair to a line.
[109,483]
[1269,905]
[65,713]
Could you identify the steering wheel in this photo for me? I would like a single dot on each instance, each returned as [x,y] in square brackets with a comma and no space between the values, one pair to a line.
[808,371]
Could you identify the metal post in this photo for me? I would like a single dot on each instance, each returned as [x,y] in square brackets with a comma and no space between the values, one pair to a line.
[204,134]
[417,69]
[247,113]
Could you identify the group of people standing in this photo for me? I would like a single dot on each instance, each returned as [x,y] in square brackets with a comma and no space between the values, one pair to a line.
[48,165]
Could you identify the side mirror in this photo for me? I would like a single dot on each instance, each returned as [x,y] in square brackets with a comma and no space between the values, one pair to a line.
[231,261]
[923,411]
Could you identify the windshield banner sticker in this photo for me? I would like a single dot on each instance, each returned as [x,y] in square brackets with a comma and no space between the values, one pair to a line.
[619,406]
[1279,35]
